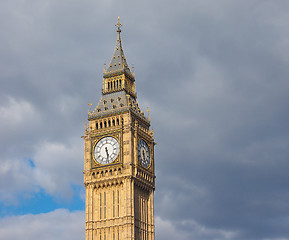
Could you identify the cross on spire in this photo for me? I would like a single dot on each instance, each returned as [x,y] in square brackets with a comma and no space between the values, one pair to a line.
[118,25]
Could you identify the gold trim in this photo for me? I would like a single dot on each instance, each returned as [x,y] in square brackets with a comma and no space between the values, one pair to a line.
[117,160]
[150,151]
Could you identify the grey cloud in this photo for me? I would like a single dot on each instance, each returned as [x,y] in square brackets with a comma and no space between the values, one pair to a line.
[215,75]
[47,226]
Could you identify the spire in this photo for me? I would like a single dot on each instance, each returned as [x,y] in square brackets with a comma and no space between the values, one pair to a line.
[118,61]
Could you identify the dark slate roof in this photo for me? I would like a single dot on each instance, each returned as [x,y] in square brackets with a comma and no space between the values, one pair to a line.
[114,103]
[118,60]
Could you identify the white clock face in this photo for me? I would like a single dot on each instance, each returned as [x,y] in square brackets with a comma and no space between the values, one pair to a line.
[106,150]
[144,154]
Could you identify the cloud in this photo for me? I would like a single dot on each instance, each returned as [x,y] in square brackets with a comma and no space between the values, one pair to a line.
[58,224]
[16,178]
[169,230]
[215,76]
[57,167]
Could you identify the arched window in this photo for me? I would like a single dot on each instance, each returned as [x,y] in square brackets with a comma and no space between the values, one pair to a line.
[105,124]
[109,123]
[96,125]
[117,121]
[100,124]
[113,122]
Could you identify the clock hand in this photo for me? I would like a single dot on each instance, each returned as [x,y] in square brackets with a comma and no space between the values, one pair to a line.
[106,152]
[143,155]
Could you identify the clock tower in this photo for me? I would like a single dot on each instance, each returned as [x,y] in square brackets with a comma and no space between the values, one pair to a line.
[119,174]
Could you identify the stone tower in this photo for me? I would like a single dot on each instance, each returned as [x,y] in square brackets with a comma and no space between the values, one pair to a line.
[119,174]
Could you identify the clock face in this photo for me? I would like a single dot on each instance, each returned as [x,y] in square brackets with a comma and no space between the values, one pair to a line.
[144,153]
[106,150]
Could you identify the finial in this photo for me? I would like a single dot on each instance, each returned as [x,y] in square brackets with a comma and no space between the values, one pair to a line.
[104,67]
[148,113]
[133,73]
[118,25]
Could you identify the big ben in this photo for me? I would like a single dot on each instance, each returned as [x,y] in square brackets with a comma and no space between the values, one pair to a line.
[119,173]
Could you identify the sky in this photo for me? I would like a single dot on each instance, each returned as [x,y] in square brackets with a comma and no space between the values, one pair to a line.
[215,77]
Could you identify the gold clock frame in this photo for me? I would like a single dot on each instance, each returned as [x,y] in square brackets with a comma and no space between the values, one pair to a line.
[150,149]
[118,160]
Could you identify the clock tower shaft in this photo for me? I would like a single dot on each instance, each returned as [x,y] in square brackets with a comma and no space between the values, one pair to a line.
[119,174]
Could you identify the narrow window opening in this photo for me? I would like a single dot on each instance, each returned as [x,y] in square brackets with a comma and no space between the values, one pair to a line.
[104,205]
[117,203]
[100,207]
[113,205]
